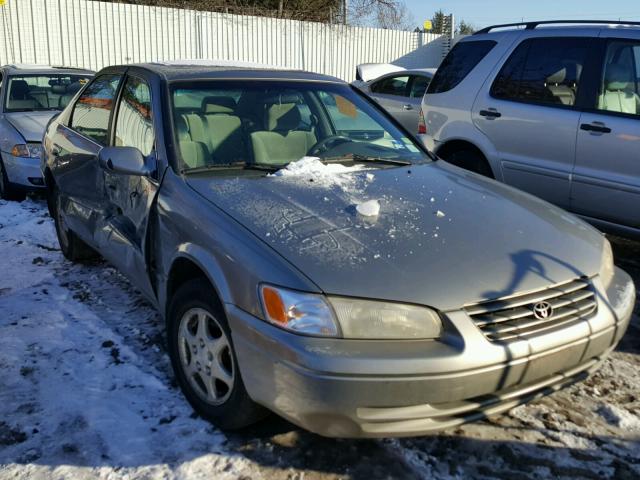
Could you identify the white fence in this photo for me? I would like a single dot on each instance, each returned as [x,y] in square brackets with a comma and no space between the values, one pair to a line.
[95,34]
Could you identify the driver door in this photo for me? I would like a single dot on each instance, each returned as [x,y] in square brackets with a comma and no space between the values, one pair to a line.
[129,198]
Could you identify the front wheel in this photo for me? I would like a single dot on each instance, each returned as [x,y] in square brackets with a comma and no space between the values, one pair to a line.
[204,360]
[72,247]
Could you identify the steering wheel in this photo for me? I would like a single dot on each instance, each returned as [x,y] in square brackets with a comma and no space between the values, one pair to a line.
[326,143]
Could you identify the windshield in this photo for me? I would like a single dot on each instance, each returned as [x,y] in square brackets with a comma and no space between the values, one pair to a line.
[42,92]
[255,124]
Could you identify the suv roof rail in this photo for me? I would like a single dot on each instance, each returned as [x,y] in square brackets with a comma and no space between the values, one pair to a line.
[533,25]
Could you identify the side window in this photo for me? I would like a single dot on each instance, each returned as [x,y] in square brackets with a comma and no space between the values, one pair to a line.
[619,86]
[458,63]
[392,86]
[134,125]
[92,110]
[543,70]
[419,86]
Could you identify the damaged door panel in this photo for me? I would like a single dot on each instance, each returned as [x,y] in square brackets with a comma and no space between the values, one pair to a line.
[129,197]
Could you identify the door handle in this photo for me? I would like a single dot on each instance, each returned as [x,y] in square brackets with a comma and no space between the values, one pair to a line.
[55,151]
[408,106]
[594,127]
[491,113]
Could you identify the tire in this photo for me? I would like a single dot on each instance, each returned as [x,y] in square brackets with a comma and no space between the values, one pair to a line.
[8,191]
[469,159]
[72,247]
[223,401]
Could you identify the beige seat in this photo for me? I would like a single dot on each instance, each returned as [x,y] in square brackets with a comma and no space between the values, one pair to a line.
[218,129]
[194,154]
[557,85]
[619,95]
[281,142]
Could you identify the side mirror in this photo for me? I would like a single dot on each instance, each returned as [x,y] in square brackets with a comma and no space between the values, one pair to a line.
[123,160]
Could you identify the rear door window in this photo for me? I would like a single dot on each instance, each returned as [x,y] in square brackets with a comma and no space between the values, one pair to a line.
[544,71]
[92,110]
[620,83]
[462,58]
[392,86]
[419,86]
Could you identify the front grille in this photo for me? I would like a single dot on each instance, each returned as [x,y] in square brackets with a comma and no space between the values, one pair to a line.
[514,318]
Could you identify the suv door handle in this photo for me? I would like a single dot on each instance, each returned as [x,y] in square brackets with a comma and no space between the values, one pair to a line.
[407,106]
[490,113]
[595,127]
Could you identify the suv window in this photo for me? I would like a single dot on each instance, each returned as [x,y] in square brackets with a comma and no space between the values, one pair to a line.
[543,70]
[392,86]
[134,126]
[462,58]
[92,110]
[620,83]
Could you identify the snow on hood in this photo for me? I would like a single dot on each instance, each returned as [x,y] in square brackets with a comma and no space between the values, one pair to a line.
[314,173]
[437,227]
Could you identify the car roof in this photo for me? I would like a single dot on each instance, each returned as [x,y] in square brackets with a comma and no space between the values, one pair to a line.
[200,70]
[554,27]
[30,69]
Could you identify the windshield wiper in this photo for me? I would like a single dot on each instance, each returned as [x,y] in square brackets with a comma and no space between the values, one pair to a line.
[230,166]
[366,159]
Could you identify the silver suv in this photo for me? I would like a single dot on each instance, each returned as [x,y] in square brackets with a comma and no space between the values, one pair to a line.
[552,108]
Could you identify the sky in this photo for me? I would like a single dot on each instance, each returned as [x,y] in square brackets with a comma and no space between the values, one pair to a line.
[486,12]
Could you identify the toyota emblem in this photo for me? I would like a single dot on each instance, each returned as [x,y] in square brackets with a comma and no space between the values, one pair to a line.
[542,310]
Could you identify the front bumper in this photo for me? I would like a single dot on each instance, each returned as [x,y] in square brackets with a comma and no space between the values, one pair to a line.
[23,172]
[364,388]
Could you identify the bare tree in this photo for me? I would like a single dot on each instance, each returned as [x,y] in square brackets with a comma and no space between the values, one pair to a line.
[391,14]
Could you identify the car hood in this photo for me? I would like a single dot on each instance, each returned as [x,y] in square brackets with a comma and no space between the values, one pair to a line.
[31,125]
[443,237]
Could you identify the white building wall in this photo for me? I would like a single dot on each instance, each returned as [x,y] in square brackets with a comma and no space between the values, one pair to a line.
[94,34]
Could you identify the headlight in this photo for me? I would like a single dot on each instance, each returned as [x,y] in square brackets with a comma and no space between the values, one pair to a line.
[385,320]
[607,268]
[299,312]
[30,150]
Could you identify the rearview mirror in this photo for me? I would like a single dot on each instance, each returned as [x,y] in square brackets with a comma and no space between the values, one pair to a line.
[123,160]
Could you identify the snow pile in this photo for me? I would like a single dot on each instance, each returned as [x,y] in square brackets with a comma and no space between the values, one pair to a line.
[85,391]
[313,171]
[370,208]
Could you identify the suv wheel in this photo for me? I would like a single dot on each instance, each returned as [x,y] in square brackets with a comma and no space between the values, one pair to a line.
[204,360]
[71,246]
[7,191]
[469,159]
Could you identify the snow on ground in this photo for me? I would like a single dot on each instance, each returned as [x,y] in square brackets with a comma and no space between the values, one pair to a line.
[86,391]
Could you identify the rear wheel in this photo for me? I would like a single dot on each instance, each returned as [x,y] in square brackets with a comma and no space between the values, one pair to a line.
[8,191]
[204,359]
[72,247]
[469,159]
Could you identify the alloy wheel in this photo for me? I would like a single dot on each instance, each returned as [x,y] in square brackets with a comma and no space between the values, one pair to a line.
[205,356]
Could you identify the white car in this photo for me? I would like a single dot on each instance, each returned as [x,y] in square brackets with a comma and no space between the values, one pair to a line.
[552,108]
[399,92]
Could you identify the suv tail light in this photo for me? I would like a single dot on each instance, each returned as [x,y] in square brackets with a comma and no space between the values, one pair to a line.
[422,126]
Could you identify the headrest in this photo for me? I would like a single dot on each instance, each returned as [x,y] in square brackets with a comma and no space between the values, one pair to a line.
[218,104]
[182,129]
[284,97]
[617,77]
[285,116]
[74,87]
[558,77]
[59,89]
[19,89]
